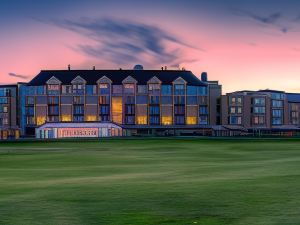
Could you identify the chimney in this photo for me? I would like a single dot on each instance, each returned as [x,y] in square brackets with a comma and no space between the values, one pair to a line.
[162,68]
[69,67]
[94,67]
[166,67]
[204,77]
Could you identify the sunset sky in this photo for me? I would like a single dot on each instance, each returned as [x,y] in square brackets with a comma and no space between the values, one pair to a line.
[245,44]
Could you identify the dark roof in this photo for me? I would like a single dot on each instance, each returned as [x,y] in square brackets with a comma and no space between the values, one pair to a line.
[293,97]
[117,76]
[273,91]
[8,86]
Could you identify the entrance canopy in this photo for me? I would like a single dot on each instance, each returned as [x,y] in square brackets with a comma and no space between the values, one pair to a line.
[78,130]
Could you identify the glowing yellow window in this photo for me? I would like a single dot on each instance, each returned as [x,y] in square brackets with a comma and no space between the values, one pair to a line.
[191,120]
[40,120]
[117,110]
[91,118]
[66,118]
[141,120]
[166,120]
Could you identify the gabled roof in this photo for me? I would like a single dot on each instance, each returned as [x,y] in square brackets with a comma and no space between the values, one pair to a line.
[116,76]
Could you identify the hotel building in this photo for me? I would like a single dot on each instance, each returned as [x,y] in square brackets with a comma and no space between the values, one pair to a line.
[264,111]
[8,111]
[121,102]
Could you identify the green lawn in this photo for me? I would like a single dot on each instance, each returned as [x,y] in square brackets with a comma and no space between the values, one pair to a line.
[154,181]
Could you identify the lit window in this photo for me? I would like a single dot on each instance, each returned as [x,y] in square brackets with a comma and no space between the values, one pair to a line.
[117,110]
[91,118]
[191,120]
[66,118]
[166,120]
[40,120]
[141,120]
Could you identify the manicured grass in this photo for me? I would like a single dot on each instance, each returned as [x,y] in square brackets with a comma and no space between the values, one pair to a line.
[118,182]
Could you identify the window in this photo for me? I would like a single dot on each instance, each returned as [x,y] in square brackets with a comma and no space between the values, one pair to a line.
[232,100]
[66,100]
[53,118]
[4,100]
[66,89]
[117,110]
[30,120]
[141,99]
[117,89]
[277,103]
[129,99]
[235,120]
[78,89]
[166,120]
[179,109]
[40,90]
[154,100]
[154,120]
[166,100]
[129,119]
[259,101]
[78,109]
[191,120]
[129,109]
[179,120]
[78,118]
[154,89]
[104,100]
[104,110]
[142,89]
[166,90]
[53,110]
[192,90]
[278,96]
[104,89]
[179,89]
[236,100]
[192,100]
[179,100]
[235,110]
[203,110]
[202,90]
[30,110]
[78,100]
[129,88]
[53,89]
[42,100]
[91,100]
[91,89]
[258,120]
[4,109]
[29,100]
[53,100]
[66,118]
[141,120]
[276,121]
[154,110]
[259,110]
[277,112]
[203,120]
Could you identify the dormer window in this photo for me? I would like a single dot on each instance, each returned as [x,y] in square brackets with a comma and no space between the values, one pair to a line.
[78,89]
[179,89]
[154,89]
[53,89]
[129,88]
[104,89]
